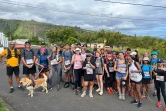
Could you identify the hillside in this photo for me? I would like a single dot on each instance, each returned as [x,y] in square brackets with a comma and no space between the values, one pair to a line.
[29,29]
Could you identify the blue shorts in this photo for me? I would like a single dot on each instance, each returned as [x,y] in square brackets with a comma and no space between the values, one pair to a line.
[120,75]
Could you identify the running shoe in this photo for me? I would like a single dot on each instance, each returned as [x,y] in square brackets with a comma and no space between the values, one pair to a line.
[120,96]
[134,102]
[164,109]
[139,105]
[128,92]
[83,94]
[98,90]
[158,104]
[101,93]
[108,91]
[90,95]
[11,90]
[66,85]
[123,96]
[21,88]
[50,89]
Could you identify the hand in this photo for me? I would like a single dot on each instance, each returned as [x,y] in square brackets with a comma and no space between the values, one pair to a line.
[125,78]
[131,71]
[108,75]
[7,65]
[88,62]
[105,40]
[42,66]
[118,71]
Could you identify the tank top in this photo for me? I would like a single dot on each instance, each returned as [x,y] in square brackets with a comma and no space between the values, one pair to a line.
[134,76]
[121,66]
[77,62]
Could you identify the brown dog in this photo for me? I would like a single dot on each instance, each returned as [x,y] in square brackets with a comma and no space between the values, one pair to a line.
[31,85]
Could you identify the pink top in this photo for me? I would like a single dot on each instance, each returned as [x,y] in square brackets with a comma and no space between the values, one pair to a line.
[77,62]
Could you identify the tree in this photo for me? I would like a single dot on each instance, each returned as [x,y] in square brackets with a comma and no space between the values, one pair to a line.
[71,40]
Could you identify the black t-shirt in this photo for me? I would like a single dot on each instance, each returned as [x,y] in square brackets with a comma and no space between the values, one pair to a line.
[89,68]
[110,64]
[160,72]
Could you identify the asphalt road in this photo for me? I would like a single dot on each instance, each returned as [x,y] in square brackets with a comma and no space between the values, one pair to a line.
[65,100]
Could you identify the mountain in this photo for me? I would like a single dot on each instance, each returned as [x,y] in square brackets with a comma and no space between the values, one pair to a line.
[29,29]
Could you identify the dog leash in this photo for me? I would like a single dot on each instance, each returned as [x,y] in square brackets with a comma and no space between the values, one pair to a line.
[38,74]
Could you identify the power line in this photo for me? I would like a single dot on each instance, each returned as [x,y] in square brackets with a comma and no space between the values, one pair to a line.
[145,5]
[77,13]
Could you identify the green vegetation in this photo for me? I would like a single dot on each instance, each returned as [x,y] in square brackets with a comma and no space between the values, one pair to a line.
[2,107]
[17,29]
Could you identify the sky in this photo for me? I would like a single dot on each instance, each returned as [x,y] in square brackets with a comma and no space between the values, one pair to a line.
[91,14]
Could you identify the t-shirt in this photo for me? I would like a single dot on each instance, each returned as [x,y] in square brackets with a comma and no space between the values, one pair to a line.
[146,69]
[154,62]
[99,65]
[89,69]
[13,61]
[43,60]
[67,57]
[161,74]
[28,55]
[110,64]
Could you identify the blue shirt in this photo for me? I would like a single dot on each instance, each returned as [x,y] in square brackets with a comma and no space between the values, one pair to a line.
[43,60]
[154,62]
[146,69]
[67,56]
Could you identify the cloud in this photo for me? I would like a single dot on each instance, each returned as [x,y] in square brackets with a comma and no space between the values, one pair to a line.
[104,20]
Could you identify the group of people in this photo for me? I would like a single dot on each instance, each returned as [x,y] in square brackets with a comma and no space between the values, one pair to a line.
[123,72]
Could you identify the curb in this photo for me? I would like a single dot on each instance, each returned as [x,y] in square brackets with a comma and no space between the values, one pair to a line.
[8,107]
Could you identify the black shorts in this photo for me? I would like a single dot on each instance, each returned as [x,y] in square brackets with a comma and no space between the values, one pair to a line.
[11,70]
[140,82]
[89,77]
[27,70]
[146,80]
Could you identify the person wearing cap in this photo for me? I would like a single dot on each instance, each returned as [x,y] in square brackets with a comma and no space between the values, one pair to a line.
[153,62]
[147,77]
[160,75]
[28,58]
[68,67]
[39,51]
[109,69]
[77,62]
[89,77]
[78,45]
[135,56]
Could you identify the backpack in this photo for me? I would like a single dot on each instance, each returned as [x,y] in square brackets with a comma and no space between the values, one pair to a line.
[9,55]
[30,50]
[101,60]
[138,69]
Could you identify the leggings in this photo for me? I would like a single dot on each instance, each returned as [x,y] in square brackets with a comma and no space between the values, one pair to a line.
[55,69]
[78,75]
[160,85]
[110,80]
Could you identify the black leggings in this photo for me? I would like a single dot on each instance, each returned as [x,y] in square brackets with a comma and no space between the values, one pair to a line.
[78,75]
[109,80]
[160,85]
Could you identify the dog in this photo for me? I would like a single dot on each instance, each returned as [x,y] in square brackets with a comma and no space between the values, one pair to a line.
[31,85]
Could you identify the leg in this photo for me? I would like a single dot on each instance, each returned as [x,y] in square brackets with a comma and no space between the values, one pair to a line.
[134,91]
[28,76]
[17,79]
[76,78]
[157,85]
[162,85]
[91,88]
[147,89]
[98,83]
[79,77]
[33,76]
[143,90]
[138,86]
[10,80]
[85,88]
[118,85]
[52,72]
[101,82]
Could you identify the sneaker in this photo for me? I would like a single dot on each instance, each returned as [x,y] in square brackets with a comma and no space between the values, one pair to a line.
[134,102]
[123,96]
[90,95]
[128,92]
[139,105]
[120,96]
[164,109]
[50,89]
[11,90]
[101,93]
[76,92]
[83,94]
[108,91]
[158,104]
[21,87]
[66,85]
[112,91]
[98,90]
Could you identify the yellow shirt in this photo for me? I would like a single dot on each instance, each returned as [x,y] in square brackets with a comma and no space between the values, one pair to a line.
[13,61]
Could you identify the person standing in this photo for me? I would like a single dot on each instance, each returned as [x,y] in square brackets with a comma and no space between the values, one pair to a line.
[68,67]
[77,61]
[89,67]
[28,59]
[12,64]
[159,80]
[43,45]
[99,70]
[55,61]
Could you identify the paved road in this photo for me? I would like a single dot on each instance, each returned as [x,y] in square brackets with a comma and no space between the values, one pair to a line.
[65,100]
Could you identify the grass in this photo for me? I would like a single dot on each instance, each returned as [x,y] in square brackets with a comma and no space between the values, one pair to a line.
[2,106]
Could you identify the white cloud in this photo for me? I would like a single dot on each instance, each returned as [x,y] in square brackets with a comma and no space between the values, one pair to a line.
[125,25]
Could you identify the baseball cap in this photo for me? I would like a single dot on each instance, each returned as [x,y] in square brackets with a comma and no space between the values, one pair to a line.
[77,49]
[128,49]
[78,43]
[42,43]
[146,59]
[27,42]
[88,55]
[109,52]
[154,53]
[133,53]
[160,61]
